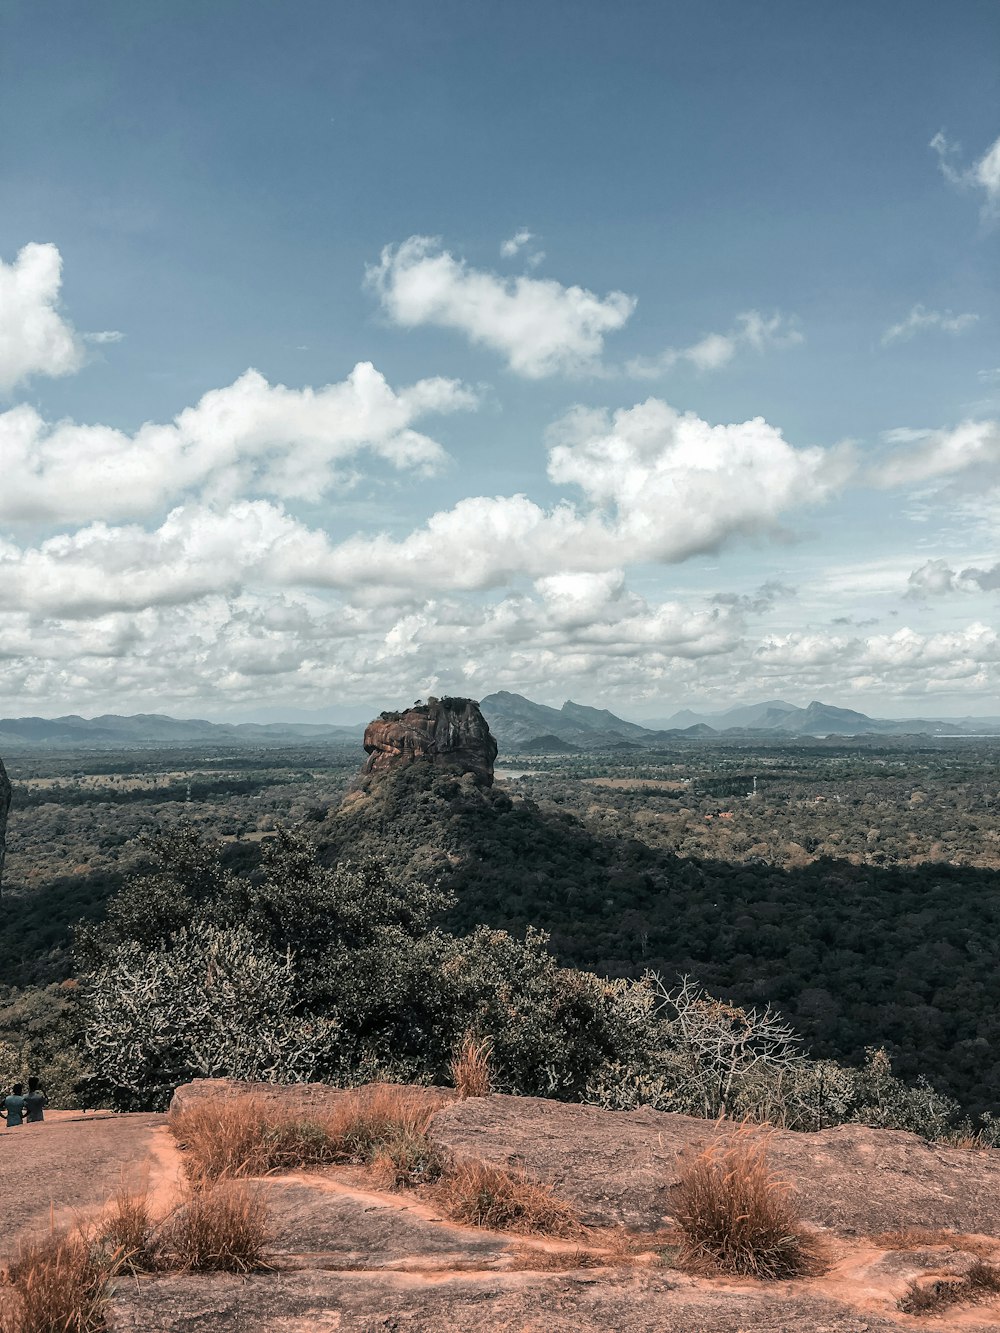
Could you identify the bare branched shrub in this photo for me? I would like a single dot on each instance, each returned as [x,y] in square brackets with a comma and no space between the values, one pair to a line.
[207,1003]
[481,1195]
[736,1217]
[717,1047]
[471,1071]
[55,1285]
[224,1227]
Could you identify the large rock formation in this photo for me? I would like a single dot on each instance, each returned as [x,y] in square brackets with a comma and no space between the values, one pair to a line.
[449,732]
[4,807]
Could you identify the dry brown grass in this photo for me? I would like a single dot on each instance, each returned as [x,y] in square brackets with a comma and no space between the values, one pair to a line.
[246,1135]
[736,1217]
[981,1283]
[471,1070]
[367,1119]
[528,1259]
[249,1135]
[55,1285]
[926,1238]
[481,1195]
[223,1227]
[129,1236]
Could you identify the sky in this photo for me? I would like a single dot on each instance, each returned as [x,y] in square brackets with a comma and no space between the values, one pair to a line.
[643,354]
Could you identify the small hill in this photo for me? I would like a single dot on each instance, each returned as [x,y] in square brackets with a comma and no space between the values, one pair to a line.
[548,745]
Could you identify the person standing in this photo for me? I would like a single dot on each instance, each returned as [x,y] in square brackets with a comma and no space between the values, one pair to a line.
[13,1106]
[34,1102]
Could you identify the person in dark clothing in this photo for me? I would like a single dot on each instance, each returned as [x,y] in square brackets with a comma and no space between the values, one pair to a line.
[34,1103]
[13,1106]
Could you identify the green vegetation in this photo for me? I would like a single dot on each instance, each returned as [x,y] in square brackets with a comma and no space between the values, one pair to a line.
[857,892]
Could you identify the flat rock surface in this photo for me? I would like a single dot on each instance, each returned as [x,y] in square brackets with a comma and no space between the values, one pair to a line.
[349,1256]
[68,1167]
[585,1302]
[616,1167]
[352,1227]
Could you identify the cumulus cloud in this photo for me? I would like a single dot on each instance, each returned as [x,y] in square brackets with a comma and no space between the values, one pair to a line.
[35,339]
[983,174]
[251,437]
[922,320]
[937,578]
[930,455]
[653,484]
[751,330]
[541,327]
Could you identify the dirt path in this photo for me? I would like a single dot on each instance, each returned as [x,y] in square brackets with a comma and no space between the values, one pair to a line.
[70,1165]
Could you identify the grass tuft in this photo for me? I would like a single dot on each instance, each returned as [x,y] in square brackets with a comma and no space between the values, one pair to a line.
[55,1285]
[981,1282]
[736,1217]
[481,1195]
[223,1227]
[248,1135]
[471,1069]
[128,1236]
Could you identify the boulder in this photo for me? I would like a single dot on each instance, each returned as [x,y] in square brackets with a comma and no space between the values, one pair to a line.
[4,807]
[449,732]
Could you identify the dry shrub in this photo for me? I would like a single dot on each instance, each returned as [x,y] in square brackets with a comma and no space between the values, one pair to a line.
[247,1135]
[366,1120]
[981,1282]
[56,1285]
[406,1159]
[223,1227]
[736,1217]
[128,1234]
[471,1069]
[481,1195]
[250,1135]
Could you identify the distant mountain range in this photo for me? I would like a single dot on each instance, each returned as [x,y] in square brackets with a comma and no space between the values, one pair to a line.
[518,723]
[112,730]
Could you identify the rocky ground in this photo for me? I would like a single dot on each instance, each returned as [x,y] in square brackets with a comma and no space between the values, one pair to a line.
[351,1258]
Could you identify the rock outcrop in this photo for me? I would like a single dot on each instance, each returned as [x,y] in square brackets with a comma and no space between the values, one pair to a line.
[449,732]
[4,807]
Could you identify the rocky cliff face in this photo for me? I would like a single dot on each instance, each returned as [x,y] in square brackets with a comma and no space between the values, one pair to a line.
[4,807]
[449,732]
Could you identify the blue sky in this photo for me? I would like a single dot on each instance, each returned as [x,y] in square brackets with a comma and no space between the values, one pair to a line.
[713,213]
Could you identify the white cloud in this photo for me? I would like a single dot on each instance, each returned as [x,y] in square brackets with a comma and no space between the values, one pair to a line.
[715,350]
[248,438]
[518,241]
[34,337]
[939,453]
[937,578]
[104,336]
[657,485]
[521,242]
[540,326]
[922,320]
[983,174]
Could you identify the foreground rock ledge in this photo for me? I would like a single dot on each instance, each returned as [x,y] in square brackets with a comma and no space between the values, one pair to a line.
[616,1167]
